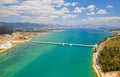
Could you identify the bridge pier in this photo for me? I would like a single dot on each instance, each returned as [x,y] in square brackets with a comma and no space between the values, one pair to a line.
[63,44]
[70,44]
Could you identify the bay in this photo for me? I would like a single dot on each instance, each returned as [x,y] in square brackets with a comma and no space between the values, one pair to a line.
[45,60]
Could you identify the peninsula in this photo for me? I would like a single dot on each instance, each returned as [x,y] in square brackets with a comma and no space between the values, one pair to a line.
[106,58]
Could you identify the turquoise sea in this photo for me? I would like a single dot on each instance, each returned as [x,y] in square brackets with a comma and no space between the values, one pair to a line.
[43,60]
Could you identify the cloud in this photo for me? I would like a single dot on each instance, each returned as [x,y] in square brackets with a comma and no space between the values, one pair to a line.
[70,4]
[98,22]
[91,10]
[91,13]
[42,11]
[69,16]
[60,3]
[101,11]
[79,9]
[74,4]
[39,19]
[48,11]
[91,7]
[109,6]
[8,1]
[5,12]
[64,10]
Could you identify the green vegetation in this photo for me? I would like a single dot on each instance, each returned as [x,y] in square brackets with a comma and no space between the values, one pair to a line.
[1,49]
[104,39]
[109,58]
[21,38]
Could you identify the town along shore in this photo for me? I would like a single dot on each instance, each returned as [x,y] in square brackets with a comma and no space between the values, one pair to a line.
[8,41]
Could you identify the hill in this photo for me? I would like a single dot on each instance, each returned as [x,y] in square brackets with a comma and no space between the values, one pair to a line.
[5,30]
[27,27]
[109,58]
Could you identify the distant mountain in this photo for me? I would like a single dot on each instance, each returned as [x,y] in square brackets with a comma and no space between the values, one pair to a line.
[29,26]
[114,29]
[22,25]
[5,30]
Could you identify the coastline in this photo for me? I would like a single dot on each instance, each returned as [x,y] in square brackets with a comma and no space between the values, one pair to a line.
[26,35]
[97,48]
[14,43]
[94,57]
[94,61]
[13,46]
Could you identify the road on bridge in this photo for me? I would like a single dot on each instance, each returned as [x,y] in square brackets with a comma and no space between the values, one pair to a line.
[64,44]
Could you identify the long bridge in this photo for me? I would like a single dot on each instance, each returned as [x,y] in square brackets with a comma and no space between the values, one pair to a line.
[62,43]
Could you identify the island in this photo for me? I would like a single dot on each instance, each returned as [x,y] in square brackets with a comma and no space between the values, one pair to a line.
[106,56]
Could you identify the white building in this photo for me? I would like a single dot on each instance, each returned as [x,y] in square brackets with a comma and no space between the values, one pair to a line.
[5,45]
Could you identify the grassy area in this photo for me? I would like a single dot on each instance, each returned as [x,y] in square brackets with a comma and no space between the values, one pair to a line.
[1,49]
[21,38]
[109,58]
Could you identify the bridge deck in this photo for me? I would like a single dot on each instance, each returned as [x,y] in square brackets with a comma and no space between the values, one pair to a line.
[64,44]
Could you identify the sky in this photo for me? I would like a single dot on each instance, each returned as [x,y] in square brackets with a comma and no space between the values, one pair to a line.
[82,13]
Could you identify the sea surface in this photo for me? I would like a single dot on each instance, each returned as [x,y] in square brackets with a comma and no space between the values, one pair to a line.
[44,60]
